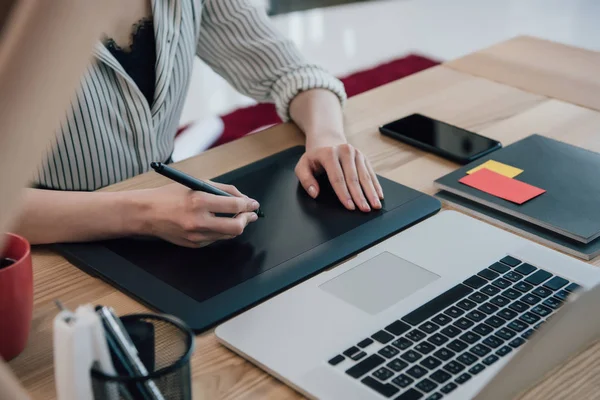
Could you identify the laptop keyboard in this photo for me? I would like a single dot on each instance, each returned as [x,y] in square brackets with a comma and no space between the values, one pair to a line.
[429,352]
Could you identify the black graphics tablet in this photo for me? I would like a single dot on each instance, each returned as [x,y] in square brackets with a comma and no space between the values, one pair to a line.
[297,238]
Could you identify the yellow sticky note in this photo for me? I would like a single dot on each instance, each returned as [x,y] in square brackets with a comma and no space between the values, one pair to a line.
[499,168]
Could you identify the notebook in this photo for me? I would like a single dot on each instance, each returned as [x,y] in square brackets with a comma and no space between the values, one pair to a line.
[568,174]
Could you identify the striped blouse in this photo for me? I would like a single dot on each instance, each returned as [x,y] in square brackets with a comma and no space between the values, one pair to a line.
[111,133]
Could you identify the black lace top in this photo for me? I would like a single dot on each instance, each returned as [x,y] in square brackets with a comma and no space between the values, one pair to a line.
[140,61]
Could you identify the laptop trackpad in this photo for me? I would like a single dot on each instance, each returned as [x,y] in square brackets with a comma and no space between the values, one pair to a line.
[379,283]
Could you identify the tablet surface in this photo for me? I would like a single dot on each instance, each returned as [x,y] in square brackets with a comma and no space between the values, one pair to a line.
[298,237]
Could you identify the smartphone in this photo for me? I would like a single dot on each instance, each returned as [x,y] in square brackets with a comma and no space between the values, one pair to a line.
[445,140]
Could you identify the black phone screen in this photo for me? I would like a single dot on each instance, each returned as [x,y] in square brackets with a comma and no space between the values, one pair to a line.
[444,137]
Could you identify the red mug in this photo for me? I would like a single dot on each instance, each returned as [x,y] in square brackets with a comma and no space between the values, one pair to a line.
[16,297]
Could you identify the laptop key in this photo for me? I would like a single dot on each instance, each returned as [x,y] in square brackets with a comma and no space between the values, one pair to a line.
[454,312]
[429,327]
[556,283]
[527,334]
[476,316]
[516,342]
[511,261]
[523,286]
[451,331]
[457,345]
[470,337]
[480,350]
[441,319]
[507,314]
[501,283]
[477,368]
[525,269]
[542,311]
[542,291]
[424,347]
[490,290]
[382,337]
[431,362]
[411,356]
[488,274]
[572,287]
[410,394]
[426,385]
[397,365]
[478,297]
[385,389]
[513,276]
[500,301]
[538,277]
[358,355]
[464,323]
[435,396]
[553,303]
[437,339]
[531,299]
[415,335]
[475,282]
[440,376]
[488,308]
[383,374]
[402,380]
[504,350]
[462,378]
[398,328]
[518,306]
[365,366]
[467,359]
[402,343]
[437,304]
[518,326]
[529,318]
[493,342]
[448,388]
[499,267]
[389,352]
[489,360]
[351,351]
[336,360]
[417,372]
[466,304]
[444,354]
[365,343]
[483,329]
[561,295]
[511,293]
[454,367]
[495,321]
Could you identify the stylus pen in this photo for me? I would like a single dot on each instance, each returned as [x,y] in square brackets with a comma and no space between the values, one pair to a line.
[191,182]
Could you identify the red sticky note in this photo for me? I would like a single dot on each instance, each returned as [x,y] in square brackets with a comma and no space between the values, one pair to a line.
[501,186]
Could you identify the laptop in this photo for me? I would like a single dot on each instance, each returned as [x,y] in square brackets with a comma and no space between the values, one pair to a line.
[433,312]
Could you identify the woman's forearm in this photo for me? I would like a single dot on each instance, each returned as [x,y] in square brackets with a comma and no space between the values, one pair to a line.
[319,115]
[54,216]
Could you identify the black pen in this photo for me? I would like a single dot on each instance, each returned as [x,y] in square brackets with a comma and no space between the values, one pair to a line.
[191,182]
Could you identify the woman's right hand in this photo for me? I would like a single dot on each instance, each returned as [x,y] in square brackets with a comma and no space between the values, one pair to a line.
[187,218]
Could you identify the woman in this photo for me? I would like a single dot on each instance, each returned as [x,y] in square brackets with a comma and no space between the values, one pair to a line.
[126,115]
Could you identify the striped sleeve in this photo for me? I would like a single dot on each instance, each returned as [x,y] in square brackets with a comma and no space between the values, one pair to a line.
[238,41]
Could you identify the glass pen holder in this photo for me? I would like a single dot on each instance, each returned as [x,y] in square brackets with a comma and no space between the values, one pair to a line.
[165,346]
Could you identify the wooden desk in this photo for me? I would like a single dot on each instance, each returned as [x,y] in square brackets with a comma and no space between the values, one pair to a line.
[539,66]
[493,109]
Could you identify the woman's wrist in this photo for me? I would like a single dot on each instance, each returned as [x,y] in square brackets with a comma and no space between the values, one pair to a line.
[136,211]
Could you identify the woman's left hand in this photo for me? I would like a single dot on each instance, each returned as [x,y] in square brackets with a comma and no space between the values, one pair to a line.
[350,173]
